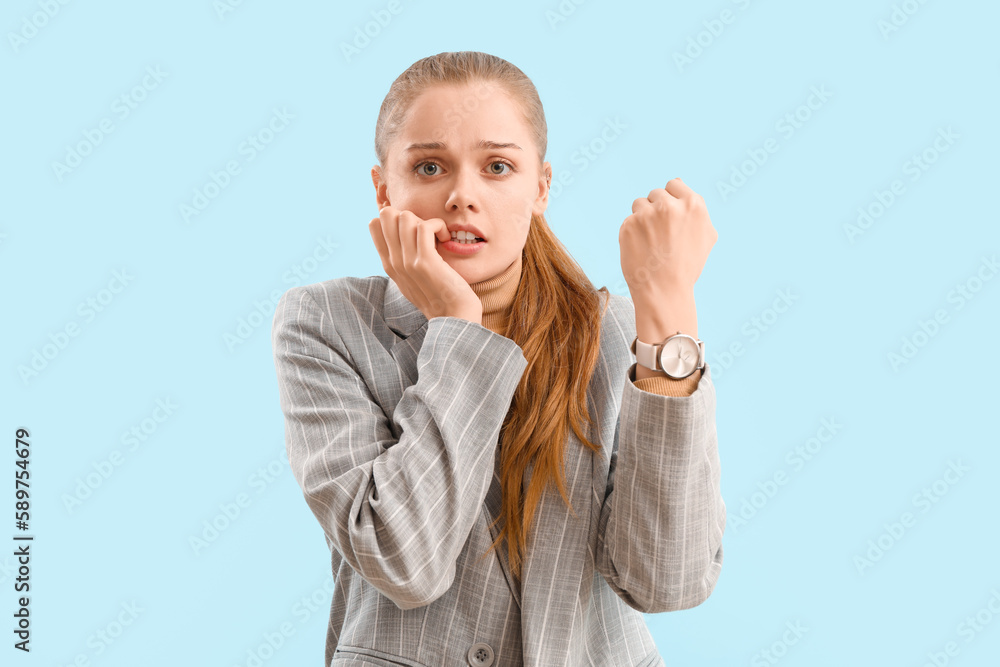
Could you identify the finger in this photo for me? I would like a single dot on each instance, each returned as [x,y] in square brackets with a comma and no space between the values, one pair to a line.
[678,188]
[436,230]
[375,229]
[641,202]
[427,255]
[389,218]
[659,194]
[440,229]
[408,224]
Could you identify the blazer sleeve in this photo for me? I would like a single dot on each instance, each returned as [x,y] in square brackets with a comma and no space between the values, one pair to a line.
[662,518]
[398,511]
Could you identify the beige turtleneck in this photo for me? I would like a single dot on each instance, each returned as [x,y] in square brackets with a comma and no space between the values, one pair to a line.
[497,294]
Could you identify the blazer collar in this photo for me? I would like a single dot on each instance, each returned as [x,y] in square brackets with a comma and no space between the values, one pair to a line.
[400,315]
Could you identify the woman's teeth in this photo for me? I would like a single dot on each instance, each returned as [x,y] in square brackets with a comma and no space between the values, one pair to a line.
[464,237]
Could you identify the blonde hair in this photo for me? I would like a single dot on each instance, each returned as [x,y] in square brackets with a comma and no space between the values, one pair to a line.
[551,397]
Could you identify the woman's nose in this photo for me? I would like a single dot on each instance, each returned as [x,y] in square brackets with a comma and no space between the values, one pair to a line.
[463,191]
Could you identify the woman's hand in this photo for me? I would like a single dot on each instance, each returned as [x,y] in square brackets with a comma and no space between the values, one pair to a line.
[406,245]
[665,243]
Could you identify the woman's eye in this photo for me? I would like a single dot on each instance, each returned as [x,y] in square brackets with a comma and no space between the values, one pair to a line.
[502,164]
[426,164]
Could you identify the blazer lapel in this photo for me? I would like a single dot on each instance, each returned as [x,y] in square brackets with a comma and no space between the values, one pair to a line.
[407,322]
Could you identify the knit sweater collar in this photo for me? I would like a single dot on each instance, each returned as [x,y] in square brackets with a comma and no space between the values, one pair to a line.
[497,295]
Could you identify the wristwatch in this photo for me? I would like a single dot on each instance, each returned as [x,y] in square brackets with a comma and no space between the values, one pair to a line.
[678,355]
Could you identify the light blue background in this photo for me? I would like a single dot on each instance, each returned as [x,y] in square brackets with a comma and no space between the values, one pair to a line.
[163,336]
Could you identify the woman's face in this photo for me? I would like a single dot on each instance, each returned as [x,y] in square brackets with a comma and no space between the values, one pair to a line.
[466,156]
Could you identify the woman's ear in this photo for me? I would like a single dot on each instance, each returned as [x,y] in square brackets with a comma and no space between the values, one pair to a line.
[544,183]
[381,189]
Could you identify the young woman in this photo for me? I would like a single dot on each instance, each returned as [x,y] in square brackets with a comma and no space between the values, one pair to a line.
[498,482]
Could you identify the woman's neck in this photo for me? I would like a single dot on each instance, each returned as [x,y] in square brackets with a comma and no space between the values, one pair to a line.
[497,295]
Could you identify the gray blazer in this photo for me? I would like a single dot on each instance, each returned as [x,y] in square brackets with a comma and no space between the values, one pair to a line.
[391,426]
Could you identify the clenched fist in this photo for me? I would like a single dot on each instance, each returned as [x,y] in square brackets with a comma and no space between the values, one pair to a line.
[665,242]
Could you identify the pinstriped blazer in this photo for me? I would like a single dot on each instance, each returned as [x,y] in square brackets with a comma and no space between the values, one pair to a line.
[391,426]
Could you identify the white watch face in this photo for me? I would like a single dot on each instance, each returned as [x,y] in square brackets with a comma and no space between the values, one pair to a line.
[679,357]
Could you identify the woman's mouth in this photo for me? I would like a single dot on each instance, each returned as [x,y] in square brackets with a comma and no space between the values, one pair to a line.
[462,243]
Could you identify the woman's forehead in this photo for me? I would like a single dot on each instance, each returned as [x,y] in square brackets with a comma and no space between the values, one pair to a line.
[450,115]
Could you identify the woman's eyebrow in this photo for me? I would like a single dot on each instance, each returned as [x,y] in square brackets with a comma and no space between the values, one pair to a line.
[484,144]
